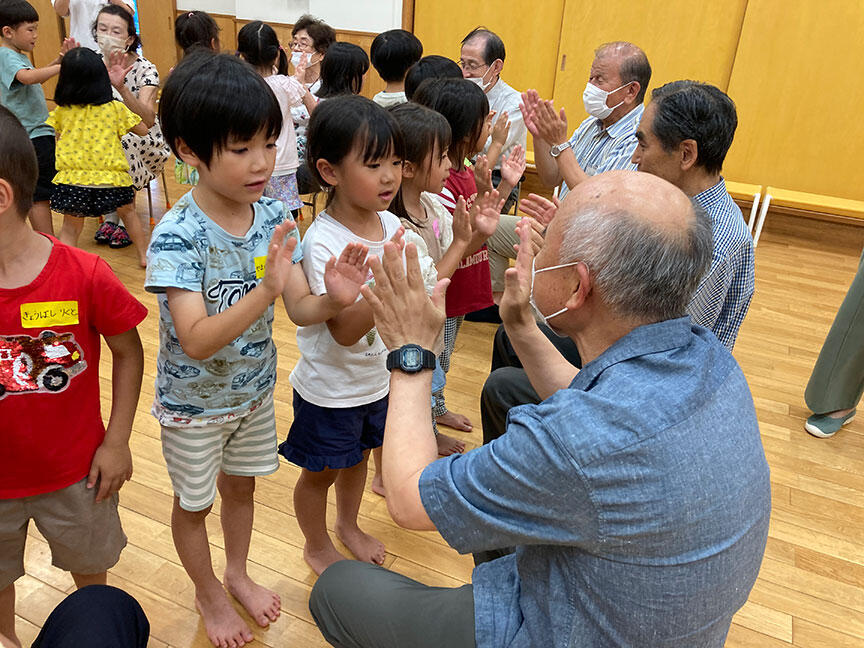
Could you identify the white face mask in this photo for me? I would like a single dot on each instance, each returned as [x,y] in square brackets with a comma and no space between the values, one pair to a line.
[295,58]
[481,80]
[594,99]
[545,318]
[108,44]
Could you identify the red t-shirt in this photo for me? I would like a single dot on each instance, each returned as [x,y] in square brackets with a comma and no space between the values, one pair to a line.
[471,284]
[50,418]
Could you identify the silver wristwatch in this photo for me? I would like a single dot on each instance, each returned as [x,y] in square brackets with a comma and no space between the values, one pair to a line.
[558,149]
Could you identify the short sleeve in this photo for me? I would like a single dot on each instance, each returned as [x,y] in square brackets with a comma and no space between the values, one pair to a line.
[316,254]
[427,264]
[126,119]
[148,75]
[291,88]
[173,260]
[113,309]
[521,489]
[10,64]
[55,119]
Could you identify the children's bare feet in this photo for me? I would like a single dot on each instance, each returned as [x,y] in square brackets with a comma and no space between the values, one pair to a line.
[447,445]
[378,485]
[455,421]
[320,560]
[261,603]
[224,627]
[143,262]
[364,547]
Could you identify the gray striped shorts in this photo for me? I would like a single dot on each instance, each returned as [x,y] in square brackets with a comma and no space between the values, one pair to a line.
[244,447]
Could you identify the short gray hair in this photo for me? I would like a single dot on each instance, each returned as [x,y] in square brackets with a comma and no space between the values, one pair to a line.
[639,269]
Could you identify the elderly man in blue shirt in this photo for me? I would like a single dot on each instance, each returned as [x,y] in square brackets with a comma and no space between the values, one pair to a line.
[636,494]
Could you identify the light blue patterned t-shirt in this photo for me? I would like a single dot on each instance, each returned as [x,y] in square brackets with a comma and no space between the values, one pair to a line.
[190,251]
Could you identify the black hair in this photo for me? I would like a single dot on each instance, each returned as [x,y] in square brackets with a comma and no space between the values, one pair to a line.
[464,106]
[427,128]
[393,52]
[210,99]
[698,111]
[342,124]
[16,12]
[322,34]
[18,164]
[195,29]
[83,79]
[634,65]
[258,44]
[430,67]
[494,46]
[342,70]
[117,10]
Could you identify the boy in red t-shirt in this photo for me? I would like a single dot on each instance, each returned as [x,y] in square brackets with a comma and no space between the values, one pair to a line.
[59,466]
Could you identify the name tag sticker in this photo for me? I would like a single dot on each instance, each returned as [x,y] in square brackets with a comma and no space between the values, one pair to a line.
[57,313]
[260,266]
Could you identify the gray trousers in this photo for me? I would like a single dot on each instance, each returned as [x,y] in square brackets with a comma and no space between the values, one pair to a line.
[360,605]
[837,381]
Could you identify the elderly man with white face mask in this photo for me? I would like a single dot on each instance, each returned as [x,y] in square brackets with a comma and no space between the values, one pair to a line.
[607,138]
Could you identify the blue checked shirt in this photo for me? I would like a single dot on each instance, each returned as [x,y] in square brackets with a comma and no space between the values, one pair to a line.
[599,149]
[723,296]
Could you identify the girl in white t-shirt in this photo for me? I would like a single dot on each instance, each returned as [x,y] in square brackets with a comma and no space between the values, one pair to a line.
[258,44]
[341,382]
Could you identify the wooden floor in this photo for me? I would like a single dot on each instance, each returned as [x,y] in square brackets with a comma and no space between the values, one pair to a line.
[811,588]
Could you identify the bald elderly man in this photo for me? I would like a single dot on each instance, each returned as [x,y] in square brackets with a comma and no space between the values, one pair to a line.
[636,494]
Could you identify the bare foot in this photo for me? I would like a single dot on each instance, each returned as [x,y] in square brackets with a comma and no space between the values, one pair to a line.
[10,640]
[840,413]
[455,421]
[224,627]
[378,485]
[447,445]
[321,560]
[364,547]
[261,603]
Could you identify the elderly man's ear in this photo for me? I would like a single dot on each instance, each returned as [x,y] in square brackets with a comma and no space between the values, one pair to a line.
[688,152]
[579,296]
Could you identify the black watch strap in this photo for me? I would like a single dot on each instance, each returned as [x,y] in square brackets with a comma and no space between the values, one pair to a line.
[410,358]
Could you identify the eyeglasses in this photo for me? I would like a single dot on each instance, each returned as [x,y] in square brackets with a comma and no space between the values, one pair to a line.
[470,66]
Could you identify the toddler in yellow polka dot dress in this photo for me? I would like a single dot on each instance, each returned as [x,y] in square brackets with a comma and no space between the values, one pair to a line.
[92,172]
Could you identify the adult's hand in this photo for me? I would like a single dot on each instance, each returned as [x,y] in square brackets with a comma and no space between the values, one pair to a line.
[542,209]
[515,309]
[404,313]
[528,108]
[551,126]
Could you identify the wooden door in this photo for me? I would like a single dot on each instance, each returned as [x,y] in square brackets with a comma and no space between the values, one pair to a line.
[156,26]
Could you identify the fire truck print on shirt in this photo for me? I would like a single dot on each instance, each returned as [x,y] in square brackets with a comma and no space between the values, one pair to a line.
[39,364]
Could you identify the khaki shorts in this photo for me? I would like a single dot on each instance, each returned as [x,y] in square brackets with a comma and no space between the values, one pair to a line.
[84,537]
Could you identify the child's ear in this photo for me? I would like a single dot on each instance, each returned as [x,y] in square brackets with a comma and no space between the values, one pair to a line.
[7,196]
[187,155]
[408,169]
[327,171]
[7,32]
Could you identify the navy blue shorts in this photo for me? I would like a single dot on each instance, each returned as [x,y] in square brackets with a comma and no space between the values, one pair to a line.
[44,146]
[333,437]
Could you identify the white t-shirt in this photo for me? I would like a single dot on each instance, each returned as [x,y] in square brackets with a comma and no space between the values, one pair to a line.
[329,374]
[289,93]
[387,99]
[82,15]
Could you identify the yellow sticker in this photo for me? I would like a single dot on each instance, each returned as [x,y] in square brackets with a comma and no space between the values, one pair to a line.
[260,266]
[57,313]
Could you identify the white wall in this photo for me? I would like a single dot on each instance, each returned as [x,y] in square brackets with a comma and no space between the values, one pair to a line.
[367,16]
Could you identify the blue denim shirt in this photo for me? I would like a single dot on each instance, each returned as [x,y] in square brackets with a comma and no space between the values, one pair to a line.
[638,500]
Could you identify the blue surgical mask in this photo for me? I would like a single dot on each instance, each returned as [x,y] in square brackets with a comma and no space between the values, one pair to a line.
[545,318]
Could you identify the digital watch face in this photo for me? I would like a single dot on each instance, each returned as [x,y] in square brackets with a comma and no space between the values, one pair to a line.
[412,358]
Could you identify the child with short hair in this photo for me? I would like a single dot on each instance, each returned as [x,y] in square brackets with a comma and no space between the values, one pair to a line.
[60,466]
[258,45]
[341,382]
[92,171]
[342,70]
[392,53]
[21,92]
[217,260]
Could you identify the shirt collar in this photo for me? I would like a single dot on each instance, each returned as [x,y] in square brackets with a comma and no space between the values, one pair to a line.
[626,125]
[712,194]
[643,340]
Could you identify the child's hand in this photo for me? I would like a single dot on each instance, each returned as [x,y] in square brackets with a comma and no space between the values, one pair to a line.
[111,466]
[68,44]
[501,129]
[344,277]
[513,166]
[300,68]
[397,238]
[486,212]
[461,224]
[279,255]
[542,209]
[482,175]
[117,68]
